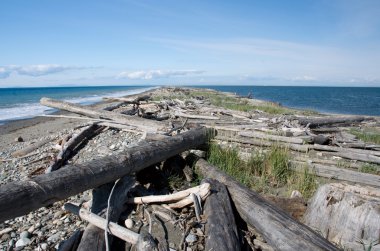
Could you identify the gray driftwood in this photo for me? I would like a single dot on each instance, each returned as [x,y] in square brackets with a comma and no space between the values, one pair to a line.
[20,197]
[71,244]
[70,146]
[332,120]
[221,230]
[144,124]
[30,148]
[279,229]
[93,237]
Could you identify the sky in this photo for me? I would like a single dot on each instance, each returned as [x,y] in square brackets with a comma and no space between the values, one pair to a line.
[178,42]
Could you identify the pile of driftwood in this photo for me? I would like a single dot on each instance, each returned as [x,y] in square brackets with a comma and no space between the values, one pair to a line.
[228,207]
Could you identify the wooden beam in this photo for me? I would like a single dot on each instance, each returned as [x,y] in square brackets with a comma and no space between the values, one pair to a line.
[279,229]
[20,197]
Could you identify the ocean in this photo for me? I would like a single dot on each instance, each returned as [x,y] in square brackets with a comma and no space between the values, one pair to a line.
[20,103]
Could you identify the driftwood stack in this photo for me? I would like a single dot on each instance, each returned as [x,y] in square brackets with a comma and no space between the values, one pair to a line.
[229,208]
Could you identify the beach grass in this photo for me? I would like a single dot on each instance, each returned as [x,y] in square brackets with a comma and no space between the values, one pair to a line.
[264,171]
[370,135]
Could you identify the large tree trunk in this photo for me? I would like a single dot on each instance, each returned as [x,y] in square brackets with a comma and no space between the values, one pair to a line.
[20,197]
[346,214]
[279,229]
[332,120]
[221,230]
[144,124]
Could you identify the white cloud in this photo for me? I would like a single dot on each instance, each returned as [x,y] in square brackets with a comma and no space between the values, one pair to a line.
[153,74]
[304,78]
[5,72]
[35,70]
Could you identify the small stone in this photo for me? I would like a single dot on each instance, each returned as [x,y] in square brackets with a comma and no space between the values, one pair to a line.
[296,194]
[54,238]
[112,147]
[22,242]
[19,139]
[13,235]
[31,229]
[128,223]
[24,235]
[5,237]
[58,214]
[44,246]
[191,238]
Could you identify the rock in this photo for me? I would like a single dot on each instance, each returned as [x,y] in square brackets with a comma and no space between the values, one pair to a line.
[54,238]
[191,238]
[24,235]
[128,223]
[22,242]
[296,194]
[5,237]
[44,246]
[112,147]
[19,139]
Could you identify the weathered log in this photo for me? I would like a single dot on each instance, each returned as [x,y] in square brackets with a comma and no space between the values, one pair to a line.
[345,150]
[279,229]
[265,136]
[345,214]
[30,148]
[221,230]
[71,244]
[93,237]
[134,101]
[337,173]
[20,197]
[70,146]
[191,116]
[332,120]
[145,124]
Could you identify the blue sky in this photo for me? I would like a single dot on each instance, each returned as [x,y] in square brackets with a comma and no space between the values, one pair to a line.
[122,42]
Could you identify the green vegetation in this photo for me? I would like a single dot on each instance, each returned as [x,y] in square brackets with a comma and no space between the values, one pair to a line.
[230,102]
[370,168]
[263,172]
[367,134]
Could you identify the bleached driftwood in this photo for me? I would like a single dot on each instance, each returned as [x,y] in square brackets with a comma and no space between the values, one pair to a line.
[265,136]
[30,148]
[345,214]
[191,116]
[331,120]
[181,199]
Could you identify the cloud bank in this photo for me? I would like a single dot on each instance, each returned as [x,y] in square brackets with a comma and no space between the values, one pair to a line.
[153,74]
[35,70]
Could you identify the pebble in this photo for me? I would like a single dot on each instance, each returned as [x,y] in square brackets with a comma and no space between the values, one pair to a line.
[19,139]
[54,238]
[5,237]
[22,242]
[191,238]
[58,214]
[296,194]
[112,147]
[44,246]
[128,223]
[24,235]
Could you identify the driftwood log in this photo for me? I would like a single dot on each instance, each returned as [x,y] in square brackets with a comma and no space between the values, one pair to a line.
[71,244]
[30,148]
[279,229]
[93,237]
[144,124]
[221,230]
[20,197]
[332,120]
[346,214]
[70,146]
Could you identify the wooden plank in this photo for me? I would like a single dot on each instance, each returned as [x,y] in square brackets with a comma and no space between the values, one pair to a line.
[20,197]
[278,228]
[271,137]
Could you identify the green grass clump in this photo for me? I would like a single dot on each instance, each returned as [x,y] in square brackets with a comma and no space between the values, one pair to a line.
[367,134]
[370,168]
[263,171]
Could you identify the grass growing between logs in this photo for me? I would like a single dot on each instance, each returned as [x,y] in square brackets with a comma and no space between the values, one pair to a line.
[367,135]
[263,172]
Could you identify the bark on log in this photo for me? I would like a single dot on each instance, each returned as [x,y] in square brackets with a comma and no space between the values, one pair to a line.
[20,197]
[145,124]
[30,148]
[221,230]
[332,120]
[346,214]
[71,145]
[279,229]
[339,173]
[93,237]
